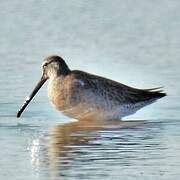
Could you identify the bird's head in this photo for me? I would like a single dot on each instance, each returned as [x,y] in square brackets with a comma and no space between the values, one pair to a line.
[53,66]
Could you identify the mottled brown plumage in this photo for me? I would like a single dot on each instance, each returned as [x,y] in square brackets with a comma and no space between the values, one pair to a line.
[81,95]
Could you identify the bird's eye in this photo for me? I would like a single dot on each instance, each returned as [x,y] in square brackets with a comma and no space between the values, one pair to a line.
[45,65]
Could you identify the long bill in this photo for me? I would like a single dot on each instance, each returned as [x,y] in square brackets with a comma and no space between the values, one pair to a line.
[29,98]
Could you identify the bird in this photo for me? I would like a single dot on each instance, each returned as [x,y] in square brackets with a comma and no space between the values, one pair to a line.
[84,96]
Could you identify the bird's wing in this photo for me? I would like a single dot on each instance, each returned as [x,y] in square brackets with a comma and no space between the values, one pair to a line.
[117,92]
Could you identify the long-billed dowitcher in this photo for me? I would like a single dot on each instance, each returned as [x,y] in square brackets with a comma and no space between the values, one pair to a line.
[81,95]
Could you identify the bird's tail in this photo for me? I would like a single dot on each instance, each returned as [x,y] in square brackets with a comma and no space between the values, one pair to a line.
[155,93]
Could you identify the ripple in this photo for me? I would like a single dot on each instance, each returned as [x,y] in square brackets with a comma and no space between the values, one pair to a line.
[75,149]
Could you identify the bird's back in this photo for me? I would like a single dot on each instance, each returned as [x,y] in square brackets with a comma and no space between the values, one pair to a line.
[115,91]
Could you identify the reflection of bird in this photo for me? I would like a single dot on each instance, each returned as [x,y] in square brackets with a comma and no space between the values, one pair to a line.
[81,95]
[67,142]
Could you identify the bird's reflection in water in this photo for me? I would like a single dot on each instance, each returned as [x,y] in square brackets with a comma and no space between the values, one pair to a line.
[67,142]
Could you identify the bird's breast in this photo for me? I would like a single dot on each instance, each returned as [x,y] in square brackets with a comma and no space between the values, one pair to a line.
[66,93]
[58,93]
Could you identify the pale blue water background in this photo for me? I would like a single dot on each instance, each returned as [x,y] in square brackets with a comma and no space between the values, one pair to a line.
[132,41]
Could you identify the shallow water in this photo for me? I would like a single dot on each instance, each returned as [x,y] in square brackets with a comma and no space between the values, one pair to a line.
[134,42]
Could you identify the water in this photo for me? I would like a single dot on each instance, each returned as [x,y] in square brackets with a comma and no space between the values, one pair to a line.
[134,42]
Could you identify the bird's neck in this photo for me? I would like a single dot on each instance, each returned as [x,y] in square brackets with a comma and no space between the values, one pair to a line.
[59,74]
[63,71]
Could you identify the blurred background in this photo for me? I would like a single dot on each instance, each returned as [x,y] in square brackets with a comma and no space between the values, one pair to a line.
[131,41]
